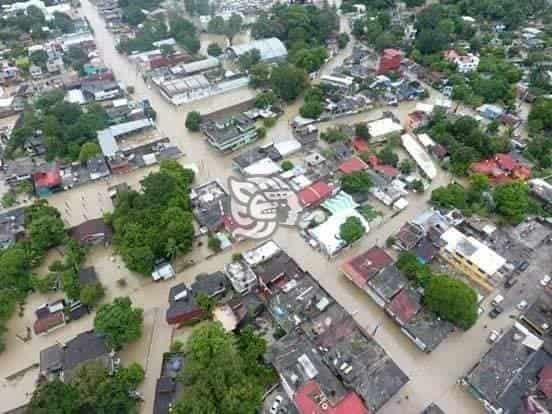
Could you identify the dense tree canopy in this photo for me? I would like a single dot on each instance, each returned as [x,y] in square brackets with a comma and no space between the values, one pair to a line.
[512,201]
[288,82]
[351,230]
[119,322]
[452,300]
[157,222]
[193,120]
[223,372]
[356,182]
[65,126]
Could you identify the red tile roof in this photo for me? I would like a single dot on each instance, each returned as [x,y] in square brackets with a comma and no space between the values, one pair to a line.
[315,193]
[352,165]
[361,268]
[360,144]
[387,170]
[545,381]
[487,167]
[308,401]
[48,322]
[506,162]
[404,306]
[47,179]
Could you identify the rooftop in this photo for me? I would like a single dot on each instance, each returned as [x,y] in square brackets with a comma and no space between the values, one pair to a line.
[428,329]
[388,282]
[270,49]
[310,399]
[472,249]
[352,165]
[405,305]
[366,265]
[87,276]
[498,376]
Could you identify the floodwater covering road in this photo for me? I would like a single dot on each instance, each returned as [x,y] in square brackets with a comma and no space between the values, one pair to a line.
[432,377]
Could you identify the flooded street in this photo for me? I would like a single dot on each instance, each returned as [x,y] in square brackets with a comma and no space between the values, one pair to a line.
[432,377]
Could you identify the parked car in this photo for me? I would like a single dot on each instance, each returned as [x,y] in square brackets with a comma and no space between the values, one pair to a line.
[497,300]
[493,336]
[522,305]
[277,402]
[497,310]
[545,280]
[523,265]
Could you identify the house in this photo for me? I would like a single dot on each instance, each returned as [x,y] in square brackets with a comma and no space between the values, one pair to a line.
[315,194]
[93,231]
[230,134]
[8,74]
[382,128]
[464,63]
[390,61]
[163,271]
[416,119]
[426,330]
[12,226]
[490,112]
[538,316]
[271,50]
[108,137]
[353,164]
[168,389]
[101,90]
[404,306]
[502,168]
[241,277]
[420,156]
[47,182]
[513,376]
[385,285]
[49,317]
[344,83]
[210,205]
[88,276]
[62,360]
[473,258]
[183,305]
[310,399]
[35,71]
[363,267]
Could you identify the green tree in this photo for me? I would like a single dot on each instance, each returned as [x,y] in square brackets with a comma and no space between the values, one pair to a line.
[351,230]
[342,40]
[333,134]
[193,121]
[361,130]
[259,75]
[233,26]
[92,294]
[214,49]
[452,300]
[388,157]
[406,166]
[119,322]
[216,25]
[288,82]
[206,303]
[54,397]
[249,59]
[89,150]
[265,99]
[512,201]
[311,110]
[214,244]
[310,59]
[218,377]
[8,199]
[287,165]
[451,196]
[356,182]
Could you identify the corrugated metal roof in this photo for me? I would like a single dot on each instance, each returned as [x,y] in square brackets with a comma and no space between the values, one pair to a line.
[271,48]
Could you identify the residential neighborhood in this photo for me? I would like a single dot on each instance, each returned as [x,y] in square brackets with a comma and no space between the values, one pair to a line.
[298,207]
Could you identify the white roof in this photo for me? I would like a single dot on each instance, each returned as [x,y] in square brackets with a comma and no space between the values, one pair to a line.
[341,80]
[425,107]
[261,253]
[400,204]
[383,126]
[75,96]
[287,147]
[106,137]
[165,271]
[426,140]
[168,42]
[149,159]
[327,233]
[469,247]
[271,48]
[6,102]
[419,154]
[264,166]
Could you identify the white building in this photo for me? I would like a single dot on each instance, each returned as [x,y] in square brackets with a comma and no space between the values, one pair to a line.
[467,63]
[241,277]
[271,49]
[418,153]
[382,128]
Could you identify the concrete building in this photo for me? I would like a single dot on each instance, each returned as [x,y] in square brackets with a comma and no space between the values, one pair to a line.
[418,153]
[473,258]
[382,128]
[241,277]
[230,134]
[271,49]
